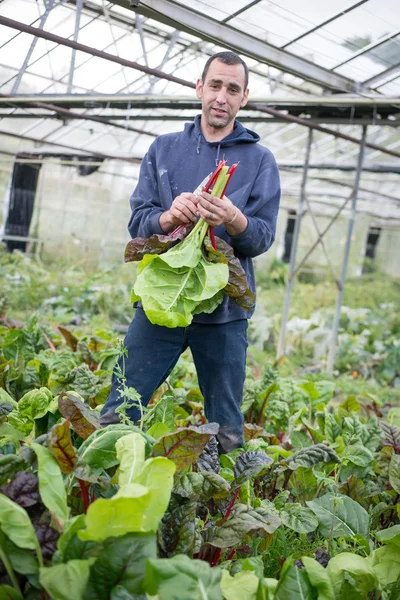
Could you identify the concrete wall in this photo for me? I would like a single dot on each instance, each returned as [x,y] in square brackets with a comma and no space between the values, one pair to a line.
[386,256]
[81,217]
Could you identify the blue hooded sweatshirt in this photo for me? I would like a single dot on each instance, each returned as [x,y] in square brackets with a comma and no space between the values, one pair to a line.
[178,162]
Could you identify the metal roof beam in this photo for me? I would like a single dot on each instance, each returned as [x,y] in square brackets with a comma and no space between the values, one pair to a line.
[372,81]
[271,111]
[370,167]
[174,118]
[191,102]
[129,159]
[193,22]
[367,48]
[326,22]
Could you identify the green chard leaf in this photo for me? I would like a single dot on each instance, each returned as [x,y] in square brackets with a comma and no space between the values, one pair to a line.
[98,450]
[209,458]
[358,455]
[141,501]
[243,585]
[385,563]
[394,472]
[357,567]
[164,410]
[168,577]
[16,524]
[391,535]
[10,464]
[185,445]
[33,405]
[298,518]
[69,545]
[83,419]
[9,593]
[120,562]
[308,457]
[22,560]
[318,578]
[339,516]
[67,580]
[131,456]
[51,484]
[172,285]
[293,585]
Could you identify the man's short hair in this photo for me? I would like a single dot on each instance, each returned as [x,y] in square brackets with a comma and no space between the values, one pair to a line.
[228,58]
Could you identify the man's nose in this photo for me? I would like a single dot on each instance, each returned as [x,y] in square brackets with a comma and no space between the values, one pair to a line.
[221,96]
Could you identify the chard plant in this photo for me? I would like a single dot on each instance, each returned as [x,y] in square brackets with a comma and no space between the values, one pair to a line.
[308,508]
[191,277]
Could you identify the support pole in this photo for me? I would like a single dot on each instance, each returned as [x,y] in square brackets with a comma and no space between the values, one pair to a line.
[293,250]
[339,302]
[79,5]
[25,64]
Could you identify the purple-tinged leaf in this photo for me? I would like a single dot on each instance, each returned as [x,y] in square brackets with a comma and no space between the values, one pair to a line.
[250,464]
[156,244]
[47,537]
[243,520]
[83,420]
[391,436]
[209,459]
[252,431]
[177,533]
[237,287]
[184,446]
[60,445]
[69,337]
[23,489]
[201,486]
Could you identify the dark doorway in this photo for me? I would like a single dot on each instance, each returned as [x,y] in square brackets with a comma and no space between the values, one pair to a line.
[369,265]
[291,222]
[372,242]
[22,197]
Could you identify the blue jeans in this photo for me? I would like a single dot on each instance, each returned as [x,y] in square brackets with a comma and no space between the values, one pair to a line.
[219,354]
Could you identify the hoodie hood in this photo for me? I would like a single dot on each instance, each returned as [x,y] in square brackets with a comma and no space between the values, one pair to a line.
[239,135]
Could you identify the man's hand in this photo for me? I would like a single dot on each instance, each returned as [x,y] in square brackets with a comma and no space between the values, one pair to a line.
[183,211]
[221,211]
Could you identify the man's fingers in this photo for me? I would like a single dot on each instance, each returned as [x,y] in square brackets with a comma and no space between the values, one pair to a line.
[183,211]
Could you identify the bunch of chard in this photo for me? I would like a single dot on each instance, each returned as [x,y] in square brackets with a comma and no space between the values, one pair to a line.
[178,280]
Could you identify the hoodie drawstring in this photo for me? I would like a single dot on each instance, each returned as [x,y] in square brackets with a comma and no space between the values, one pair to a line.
[198,143]
[217,159]
[198,149]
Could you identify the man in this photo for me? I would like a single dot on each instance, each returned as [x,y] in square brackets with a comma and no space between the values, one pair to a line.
[173,167]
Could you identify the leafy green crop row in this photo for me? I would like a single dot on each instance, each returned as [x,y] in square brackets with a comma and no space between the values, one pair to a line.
[308,508]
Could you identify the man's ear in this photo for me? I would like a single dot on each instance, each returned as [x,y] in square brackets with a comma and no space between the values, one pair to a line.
[244,99]
[199,89]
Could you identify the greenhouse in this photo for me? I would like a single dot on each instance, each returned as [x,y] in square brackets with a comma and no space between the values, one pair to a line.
[240,437]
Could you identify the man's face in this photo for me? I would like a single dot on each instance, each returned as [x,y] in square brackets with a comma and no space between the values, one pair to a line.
[222,95]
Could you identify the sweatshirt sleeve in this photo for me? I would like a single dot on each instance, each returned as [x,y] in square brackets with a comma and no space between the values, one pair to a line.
[261,211]
[145,203]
